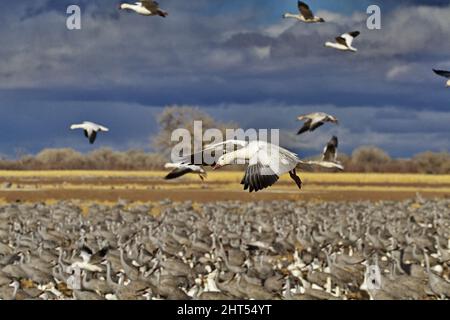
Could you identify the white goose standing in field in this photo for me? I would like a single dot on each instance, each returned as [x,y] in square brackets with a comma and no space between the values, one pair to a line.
[180,169]
[145,8]
[344,42]
[90,129]
[315,120]
[305,15]
[445,74]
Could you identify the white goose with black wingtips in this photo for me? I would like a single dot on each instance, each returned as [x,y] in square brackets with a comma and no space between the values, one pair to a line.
[329,156]
[90,129]
[305,14]
[314,121]
[180,169]
[344,42]
[145,8]
[265,162]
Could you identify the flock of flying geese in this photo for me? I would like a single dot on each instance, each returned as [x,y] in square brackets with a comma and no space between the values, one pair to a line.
[264,165]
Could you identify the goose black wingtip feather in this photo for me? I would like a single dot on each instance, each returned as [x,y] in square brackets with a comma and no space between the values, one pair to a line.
[258,177]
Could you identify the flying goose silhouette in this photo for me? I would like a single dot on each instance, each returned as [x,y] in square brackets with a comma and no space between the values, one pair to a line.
[305,15]
[344,42]
[90,129]
[145,8]
[314,121]
[180,169]
[329,157]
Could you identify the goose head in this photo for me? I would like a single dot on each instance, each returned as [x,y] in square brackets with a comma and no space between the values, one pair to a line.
[224,160]
[333,119]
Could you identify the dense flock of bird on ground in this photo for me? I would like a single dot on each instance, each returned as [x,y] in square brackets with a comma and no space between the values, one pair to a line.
[226,250]
[229,250]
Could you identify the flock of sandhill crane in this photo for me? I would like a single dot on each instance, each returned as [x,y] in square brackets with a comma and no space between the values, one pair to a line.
[226,250]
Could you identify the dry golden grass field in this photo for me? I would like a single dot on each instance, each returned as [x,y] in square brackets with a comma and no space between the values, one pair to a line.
[110,186]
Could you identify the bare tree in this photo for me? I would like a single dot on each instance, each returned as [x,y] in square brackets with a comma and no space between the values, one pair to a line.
[176,117]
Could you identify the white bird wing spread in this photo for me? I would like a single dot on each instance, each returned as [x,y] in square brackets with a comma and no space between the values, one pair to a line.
[316,120]
[102,128]
[208,149]
[177,165]
[170,165]
[266,165]
[240,143]
[278,159]
[76,126]
[348,39]
[323,164]
[308,116]
[318,116]
[87,126]
[91,126]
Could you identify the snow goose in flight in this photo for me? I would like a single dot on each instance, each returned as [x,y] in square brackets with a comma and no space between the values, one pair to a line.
[266,162]
[180,169]
[344,42]
[145,8]
[90,129]
[314,121]
[445,74]
[329,156]
[305,15]
[330,150]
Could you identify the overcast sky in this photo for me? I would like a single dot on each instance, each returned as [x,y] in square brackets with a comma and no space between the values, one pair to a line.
[236,59]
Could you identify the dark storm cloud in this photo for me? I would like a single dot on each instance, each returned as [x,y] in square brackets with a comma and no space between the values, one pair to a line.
[220,54]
